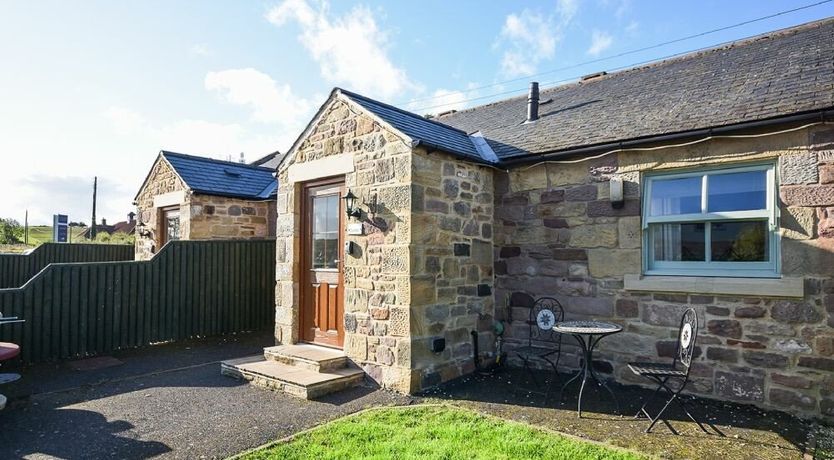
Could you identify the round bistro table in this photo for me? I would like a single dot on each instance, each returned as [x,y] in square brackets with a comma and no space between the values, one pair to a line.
[588,334]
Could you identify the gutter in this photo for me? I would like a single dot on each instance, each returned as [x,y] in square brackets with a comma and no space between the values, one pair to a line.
[819,115]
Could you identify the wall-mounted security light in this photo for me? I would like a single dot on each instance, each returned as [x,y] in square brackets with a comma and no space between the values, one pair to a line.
[616,194]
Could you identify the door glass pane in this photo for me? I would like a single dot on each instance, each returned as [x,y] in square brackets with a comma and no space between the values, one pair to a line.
[332,213]
[679,242]
[172,225]
[737,191]
[740,241]
[325,231]
[676,196]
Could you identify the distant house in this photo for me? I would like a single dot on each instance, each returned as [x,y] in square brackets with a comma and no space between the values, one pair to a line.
[126,226]
[191,197]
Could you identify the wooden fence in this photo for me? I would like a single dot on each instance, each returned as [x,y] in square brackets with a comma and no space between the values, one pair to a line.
[189,289]
[16,269]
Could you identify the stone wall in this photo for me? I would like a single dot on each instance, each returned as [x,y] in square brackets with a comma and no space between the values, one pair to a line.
[160,181]
[217,217]
[557,234]
[377,278]
[452,264]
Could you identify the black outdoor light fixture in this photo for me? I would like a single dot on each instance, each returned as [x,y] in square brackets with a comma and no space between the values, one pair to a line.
[350,205]
[142,229]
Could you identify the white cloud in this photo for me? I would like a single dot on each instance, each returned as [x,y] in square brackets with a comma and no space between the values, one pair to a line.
[600,41]
[443,100]
[350,50]
[632,27]
[566,9]
[528,38]
[219,140]
[269,101]
[200,49]
[124,120]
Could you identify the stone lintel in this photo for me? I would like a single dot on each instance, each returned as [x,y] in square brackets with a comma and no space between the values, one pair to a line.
[767,287]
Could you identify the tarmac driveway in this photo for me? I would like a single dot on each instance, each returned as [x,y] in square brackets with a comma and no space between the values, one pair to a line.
[168,401]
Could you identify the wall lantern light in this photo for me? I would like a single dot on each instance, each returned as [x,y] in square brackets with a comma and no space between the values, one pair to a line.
[350,205]
[142,230]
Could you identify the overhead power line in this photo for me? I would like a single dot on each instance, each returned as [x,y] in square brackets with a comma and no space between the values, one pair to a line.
[613,56]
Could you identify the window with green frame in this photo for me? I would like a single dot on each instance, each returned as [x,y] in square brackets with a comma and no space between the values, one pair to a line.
[713,222]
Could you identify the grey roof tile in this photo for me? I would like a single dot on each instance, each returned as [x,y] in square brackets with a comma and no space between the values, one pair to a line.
[420,129]
[767,76]
[222,178]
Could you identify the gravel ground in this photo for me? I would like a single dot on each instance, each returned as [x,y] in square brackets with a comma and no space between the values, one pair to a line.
[168,401]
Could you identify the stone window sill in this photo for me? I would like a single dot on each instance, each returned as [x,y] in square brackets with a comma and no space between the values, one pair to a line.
[759,287]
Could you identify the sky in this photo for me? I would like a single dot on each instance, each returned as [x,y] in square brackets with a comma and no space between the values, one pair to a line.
[97,88]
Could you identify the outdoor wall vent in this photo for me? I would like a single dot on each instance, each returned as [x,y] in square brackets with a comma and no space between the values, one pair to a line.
[533,102]
[229,172]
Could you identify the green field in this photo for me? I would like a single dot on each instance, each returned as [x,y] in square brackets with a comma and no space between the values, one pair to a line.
[43,234]
[431,432]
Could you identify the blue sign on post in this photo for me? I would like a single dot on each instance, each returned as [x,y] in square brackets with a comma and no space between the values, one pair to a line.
[60,228]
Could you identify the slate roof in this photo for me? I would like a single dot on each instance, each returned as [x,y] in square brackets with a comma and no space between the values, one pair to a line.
[223,178]
[772,75]
[270,160]
[420,129]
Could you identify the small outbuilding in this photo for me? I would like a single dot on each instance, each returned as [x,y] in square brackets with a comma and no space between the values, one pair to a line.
[187,197]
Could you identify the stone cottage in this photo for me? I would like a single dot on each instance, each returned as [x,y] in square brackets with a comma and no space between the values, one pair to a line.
[195,198]
[705,180]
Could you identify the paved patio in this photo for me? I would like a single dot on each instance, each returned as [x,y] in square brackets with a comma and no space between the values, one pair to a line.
[168,401]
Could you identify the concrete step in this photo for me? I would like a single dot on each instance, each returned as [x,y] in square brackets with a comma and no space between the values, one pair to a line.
[294,380]
[312,357]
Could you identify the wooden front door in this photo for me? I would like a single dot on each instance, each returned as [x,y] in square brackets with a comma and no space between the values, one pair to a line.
[322,299]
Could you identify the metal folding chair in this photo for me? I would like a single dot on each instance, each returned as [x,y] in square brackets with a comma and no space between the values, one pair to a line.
[542,342]
[665,375]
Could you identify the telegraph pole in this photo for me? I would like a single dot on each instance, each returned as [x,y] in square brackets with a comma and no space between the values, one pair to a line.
[26,228]
[93,223]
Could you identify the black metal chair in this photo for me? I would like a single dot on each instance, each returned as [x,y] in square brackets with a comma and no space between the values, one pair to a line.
[542,342]
[666,374]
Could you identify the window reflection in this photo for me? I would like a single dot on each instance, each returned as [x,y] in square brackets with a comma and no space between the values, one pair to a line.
[676,196]
[679,242]
[739,241]
[737,191]
[325,231]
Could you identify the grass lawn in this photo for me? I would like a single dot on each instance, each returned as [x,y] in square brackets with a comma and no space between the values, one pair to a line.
[432,432]
[43,234]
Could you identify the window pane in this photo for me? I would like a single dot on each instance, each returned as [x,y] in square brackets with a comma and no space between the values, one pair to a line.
[739,241]
[332,213]
[172,225]
[737,191]
[319,214]
[325,231]
[676,196]
[318,251]
[330,252]
[679,242]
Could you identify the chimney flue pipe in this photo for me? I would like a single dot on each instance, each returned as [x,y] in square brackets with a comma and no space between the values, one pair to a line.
[533,102]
